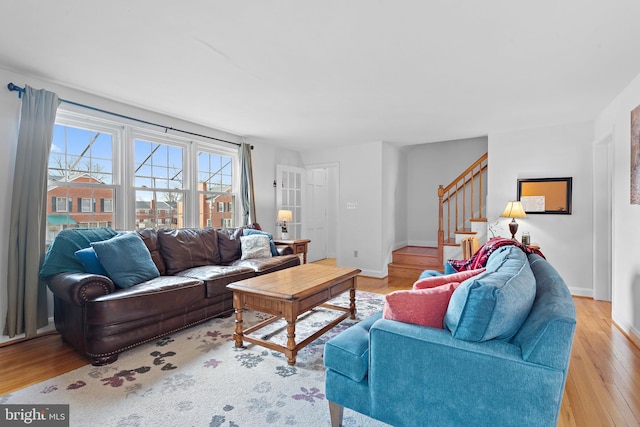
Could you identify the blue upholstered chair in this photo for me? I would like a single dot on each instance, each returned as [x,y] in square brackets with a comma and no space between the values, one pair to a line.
[483,368]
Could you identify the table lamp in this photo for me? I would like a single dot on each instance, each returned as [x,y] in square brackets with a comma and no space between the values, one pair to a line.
[513,210]
[284,216]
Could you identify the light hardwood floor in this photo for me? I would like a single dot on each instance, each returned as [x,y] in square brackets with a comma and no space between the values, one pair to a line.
[603,386]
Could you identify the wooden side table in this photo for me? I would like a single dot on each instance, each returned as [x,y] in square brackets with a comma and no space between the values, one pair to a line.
[299,246]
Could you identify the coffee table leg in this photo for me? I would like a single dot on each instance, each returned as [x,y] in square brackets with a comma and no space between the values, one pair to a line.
[352,303]
[237,336]
[291,343]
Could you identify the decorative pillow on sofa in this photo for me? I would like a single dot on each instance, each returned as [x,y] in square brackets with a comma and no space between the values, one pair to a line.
[251,231]
[90,261]
[433,281]
[425,307]
[126,259]
[255,246]
[493,304]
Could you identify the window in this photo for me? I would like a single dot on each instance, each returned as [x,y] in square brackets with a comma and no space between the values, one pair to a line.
[60,204]
[103,173]
[86,205]
[215,179]
[159,180]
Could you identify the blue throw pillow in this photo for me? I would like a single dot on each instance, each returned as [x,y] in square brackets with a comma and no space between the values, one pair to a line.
[493,304]
[250,231]
[126,259]
[90,261]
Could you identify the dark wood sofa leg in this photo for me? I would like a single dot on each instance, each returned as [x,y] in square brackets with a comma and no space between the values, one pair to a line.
[335,411]
[104,360]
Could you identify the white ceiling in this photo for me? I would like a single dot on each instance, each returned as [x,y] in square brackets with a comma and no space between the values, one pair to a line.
[304,74]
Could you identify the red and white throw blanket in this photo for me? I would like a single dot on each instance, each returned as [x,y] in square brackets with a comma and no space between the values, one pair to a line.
[479,259]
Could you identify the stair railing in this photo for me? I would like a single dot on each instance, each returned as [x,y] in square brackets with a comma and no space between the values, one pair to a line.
[464,196]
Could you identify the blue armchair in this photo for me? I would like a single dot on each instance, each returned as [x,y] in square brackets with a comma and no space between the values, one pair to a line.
[464,374]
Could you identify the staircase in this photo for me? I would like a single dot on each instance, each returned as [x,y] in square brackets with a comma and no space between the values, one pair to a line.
[461,213]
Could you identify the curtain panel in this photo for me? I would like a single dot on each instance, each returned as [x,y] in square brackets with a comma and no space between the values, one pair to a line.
[26,294]
[246,186]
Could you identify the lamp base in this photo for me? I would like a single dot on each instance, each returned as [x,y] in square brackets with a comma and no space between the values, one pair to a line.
[513,228]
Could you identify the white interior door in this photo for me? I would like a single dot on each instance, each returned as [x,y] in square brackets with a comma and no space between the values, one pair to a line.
[290,196]
[316,209]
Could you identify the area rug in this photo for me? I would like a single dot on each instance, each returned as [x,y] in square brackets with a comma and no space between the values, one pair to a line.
[197,377]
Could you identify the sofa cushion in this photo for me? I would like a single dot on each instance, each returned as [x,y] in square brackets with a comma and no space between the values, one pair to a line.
[425,307]
[188,247]
[150,238]
[272,245]
[348,352]
[139,266]
[229,244]
[217,277]
[255,246]
[433,281]
[493,304]
[90,261]
[60,257]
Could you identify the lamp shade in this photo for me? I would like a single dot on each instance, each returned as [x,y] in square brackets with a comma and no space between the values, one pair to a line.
[285,216]
[514,209]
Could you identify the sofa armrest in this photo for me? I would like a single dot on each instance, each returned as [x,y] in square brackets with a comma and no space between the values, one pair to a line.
[414,367]
[78,288]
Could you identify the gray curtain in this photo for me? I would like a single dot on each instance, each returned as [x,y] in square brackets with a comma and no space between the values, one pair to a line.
[27,295]
[246,186]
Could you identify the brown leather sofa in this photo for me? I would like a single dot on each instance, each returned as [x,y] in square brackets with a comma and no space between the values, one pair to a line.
[101,320]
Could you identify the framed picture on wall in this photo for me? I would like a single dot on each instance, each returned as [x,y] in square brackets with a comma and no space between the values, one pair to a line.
[545,195]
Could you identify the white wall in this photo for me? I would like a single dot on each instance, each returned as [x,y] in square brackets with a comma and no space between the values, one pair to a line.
[394,202]
[359,229]
[430,165]
[614,122]
[560,151]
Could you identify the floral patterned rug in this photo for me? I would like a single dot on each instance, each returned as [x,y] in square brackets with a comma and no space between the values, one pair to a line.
[197,377]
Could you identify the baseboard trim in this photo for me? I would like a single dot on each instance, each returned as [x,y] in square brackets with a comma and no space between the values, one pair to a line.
[628,330]
[581,292]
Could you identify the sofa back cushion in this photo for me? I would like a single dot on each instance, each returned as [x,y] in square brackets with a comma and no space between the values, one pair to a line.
[229,244]
[150,238]
[493,304]
[188,247]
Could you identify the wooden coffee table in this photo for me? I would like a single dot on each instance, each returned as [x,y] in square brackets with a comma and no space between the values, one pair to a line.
[289,293]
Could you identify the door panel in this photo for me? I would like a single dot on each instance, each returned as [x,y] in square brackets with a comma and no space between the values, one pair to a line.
[290,196]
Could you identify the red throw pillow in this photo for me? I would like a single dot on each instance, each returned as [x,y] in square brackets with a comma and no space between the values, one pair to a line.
[425,307]
[431,282]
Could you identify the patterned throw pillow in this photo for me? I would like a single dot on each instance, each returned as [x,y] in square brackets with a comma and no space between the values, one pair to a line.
[255,246]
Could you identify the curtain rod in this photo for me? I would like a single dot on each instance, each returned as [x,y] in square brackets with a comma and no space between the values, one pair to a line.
[20,90]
